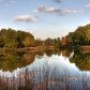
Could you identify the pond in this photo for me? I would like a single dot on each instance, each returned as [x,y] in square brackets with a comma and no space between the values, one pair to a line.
[50,70]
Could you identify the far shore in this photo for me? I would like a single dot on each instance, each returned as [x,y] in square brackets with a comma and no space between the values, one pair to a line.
[82,48]
[85,48]
[31,49]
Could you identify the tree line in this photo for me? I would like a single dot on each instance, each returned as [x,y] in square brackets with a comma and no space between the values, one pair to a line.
[12,38]
[81,36]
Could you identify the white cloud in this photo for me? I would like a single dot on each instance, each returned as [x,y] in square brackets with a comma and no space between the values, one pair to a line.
[46,9]
[58,1]
[25,18]
[7,1]
[57,11]
[12,1]
[87,6]
[71,11]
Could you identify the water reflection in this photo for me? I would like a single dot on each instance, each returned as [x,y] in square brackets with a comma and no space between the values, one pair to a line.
[81,60]
[11,59]
[49,70]
[66,53]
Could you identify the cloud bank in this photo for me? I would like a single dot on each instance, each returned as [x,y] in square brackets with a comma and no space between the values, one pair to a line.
[58,1]
[25,18]
[57,11]
[87,6]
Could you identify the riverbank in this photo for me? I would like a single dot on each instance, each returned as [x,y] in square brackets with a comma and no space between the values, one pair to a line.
[84,49]
[30,49]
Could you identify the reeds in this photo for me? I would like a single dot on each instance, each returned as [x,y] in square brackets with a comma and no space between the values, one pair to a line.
[45,79]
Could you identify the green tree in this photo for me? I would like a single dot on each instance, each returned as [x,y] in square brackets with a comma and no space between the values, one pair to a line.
[20,38]
[28,40]
[38,42]
[1,40]
[9,37]
[24,39]
[81,36]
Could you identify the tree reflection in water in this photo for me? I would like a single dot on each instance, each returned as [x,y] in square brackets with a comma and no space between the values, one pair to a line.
[50,74]
[11,59]
[81,60]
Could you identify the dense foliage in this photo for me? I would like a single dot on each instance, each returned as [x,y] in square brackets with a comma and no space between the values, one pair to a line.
[81,60]
[13,38]
[80,37]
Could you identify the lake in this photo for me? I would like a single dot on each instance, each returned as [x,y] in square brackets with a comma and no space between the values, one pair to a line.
[50,70]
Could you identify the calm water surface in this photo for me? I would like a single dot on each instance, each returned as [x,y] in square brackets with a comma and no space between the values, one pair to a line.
[62,70]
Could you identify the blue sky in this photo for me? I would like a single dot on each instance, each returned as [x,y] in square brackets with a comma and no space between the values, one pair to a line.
[44,18]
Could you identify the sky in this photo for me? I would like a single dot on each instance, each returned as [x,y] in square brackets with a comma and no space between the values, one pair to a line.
[44,18]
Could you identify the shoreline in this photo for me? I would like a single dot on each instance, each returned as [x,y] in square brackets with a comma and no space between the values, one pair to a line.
[30,49]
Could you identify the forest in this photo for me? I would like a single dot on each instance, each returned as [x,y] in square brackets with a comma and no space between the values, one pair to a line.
[81,36]
[18,38]
[13,38]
